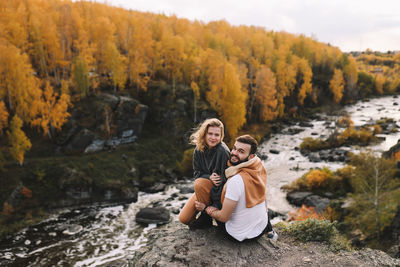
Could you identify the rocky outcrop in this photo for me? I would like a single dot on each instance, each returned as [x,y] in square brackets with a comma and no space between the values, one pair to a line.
[102,122]
[80,189]
[174,245]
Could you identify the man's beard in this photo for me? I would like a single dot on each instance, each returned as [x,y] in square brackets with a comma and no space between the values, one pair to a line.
[238,162]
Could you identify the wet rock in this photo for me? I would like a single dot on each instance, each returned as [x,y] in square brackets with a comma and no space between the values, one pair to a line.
[72,229]
[272,214]
[186,189]
[291,158]
[306,124]
[273,151]
[158,187]
[262,156]
[395,104]
[314,157]
[320,203]
[158,215]
[293,131]
[297,198]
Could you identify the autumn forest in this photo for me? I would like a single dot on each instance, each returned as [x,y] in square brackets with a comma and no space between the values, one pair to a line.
[56,52]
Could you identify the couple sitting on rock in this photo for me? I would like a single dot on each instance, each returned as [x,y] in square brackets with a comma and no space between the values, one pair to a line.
[229,187]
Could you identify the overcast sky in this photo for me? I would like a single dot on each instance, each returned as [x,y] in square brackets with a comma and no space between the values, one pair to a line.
[349,24]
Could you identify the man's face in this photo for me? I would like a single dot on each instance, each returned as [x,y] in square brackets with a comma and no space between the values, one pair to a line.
[240,153]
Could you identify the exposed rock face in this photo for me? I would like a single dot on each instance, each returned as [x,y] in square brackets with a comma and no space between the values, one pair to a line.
[105,121]
[175,245]
[80,189]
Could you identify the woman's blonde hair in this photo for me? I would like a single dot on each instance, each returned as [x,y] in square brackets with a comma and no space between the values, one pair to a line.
[198,137]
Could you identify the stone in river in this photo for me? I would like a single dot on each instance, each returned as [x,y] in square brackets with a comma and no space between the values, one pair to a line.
[273,151]
[320,203]
[158,215]
[314,157]
[395,104]
[297,198]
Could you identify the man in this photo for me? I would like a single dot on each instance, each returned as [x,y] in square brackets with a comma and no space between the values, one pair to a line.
[244,211]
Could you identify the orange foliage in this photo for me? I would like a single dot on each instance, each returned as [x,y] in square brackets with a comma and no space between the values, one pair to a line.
[3,117]
[26,192]
[316,179]
[396,156]
[304,213]
[18,140]
[7,209]
[337,85]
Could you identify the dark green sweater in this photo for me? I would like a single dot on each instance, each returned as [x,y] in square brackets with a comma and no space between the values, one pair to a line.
[209,161]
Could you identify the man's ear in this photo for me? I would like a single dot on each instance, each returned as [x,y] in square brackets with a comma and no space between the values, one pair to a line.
[252,156]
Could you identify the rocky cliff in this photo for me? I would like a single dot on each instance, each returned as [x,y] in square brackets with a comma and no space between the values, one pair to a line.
[175,245]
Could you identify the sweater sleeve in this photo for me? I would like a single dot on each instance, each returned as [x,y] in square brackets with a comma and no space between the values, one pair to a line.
[197,169]
[222,163]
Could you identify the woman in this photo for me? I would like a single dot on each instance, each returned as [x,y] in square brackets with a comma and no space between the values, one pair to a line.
[209,163]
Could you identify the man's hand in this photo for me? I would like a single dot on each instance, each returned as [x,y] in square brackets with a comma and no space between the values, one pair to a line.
[210,210]
[215,178]
[200,206]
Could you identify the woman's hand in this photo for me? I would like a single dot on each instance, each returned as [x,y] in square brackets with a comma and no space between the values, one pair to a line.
[200,206]
[215,179]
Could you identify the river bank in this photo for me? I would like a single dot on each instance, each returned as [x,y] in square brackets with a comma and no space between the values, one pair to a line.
[88,235]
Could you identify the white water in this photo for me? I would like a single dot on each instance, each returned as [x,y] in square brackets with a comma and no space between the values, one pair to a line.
[100,235]
[280,168]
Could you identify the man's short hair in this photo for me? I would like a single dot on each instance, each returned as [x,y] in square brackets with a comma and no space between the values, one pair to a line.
[247,139]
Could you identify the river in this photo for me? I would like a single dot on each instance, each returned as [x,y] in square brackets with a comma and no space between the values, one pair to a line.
[94,236]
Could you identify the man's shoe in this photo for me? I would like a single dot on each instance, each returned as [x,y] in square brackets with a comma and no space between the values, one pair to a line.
[204,221]
[272,235]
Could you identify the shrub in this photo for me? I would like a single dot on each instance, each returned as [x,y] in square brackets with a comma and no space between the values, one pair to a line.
[317,230]
[186,165]
[317,180]
[377,129]
[312,144]
[345,121]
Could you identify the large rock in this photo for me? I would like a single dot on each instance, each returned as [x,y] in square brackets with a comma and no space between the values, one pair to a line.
[158,215]
[320,203]
[175,245]
[102,122]
[297,198]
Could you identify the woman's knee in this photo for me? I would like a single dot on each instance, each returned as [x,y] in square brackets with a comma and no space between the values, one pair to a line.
[202,184]
[183,219]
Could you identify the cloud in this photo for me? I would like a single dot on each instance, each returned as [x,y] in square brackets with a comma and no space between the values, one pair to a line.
[349,24]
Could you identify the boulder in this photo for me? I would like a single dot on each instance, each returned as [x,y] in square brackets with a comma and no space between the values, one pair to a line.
[319,203]
[314,157]
[297,198]
[274,151]
[174,244]
[158,215]
[306,124]
[80,141]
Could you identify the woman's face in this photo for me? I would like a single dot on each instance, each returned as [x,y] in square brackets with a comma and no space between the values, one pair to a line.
[213,136]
